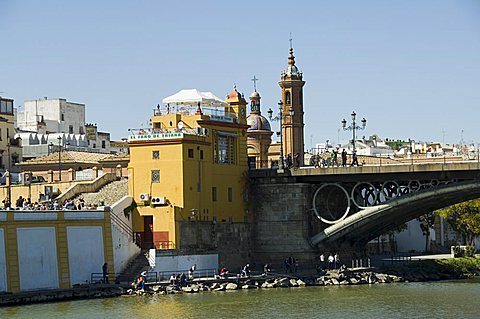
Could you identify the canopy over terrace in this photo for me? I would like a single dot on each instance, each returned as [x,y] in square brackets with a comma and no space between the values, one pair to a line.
[193,97]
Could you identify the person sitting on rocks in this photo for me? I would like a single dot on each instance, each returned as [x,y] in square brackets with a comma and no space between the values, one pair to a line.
[266,269]
[140,283]
[246,270]
[191,271]
[173,279]
[331,262]
[223,272]
[183,279]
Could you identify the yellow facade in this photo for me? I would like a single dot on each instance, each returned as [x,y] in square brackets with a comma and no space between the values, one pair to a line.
[10,149]
[10,224]
[196,163]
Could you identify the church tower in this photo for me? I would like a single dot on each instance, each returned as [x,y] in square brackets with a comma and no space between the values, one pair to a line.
[291,83]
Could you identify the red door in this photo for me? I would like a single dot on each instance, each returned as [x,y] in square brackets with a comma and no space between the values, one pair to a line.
[147,232]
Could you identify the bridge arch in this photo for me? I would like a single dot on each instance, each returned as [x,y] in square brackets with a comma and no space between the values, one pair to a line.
[371,222]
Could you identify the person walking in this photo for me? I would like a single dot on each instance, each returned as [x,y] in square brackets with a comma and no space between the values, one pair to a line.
[105,273]
[322,262]
[334,158]
[354,159]
[337,261]
[344,158]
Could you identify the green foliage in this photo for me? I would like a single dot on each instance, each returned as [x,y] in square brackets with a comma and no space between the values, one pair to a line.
[464,219]
[129,209]
[470,251]
[464,265]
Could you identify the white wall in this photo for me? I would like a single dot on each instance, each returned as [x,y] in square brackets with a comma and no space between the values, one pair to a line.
[37,258]
[85,252]
[3,263]
[412,238]
[124,249]
[181,263]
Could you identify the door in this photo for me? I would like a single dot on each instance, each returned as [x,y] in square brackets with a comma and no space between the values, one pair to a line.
[147,232]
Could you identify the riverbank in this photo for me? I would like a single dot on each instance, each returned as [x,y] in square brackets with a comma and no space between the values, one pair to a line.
[422,271]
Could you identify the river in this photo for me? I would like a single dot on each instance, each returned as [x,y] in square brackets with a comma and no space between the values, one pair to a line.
[448,299]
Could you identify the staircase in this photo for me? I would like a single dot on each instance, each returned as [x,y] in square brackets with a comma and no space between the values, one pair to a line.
[134,268]
[108,194]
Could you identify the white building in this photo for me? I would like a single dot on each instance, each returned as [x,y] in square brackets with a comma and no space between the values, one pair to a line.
[44,125]
[374,146]
[52,116]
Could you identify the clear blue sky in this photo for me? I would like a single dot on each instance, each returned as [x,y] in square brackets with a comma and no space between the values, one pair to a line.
[412,68]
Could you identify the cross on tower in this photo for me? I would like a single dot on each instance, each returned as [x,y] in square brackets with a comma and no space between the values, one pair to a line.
[255,79]
[291,40]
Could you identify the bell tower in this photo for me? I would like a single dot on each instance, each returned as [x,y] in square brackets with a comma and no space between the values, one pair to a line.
[291,83]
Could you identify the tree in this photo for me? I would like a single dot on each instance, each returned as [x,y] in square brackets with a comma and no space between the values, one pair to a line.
[426,223]
[464,219]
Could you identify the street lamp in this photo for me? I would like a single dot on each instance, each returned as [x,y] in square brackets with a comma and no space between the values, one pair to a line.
[278,117]
[59,158]
[353,127]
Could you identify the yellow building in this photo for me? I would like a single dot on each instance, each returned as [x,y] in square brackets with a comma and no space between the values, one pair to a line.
[10,148]
[189,165]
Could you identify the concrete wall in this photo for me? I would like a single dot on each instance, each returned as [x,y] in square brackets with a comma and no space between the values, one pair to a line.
[283,222]
[37,258]
[3,263]
[232,241]
[85,252]
[411,239]
[184,262]
[124,249]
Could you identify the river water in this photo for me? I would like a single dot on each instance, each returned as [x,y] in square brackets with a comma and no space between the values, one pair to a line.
[450,299]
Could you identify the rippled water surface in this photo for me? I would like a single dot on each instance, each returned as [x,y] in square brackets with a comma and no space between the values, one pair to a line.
[452,299]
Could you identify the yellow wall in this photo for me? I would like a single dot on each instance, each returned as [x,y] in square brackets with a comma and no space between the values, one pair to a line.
[60,224]
[186,181]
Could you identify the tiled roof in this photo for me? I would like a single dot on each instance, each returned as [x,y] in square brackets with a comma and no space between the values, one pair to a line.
[68,157]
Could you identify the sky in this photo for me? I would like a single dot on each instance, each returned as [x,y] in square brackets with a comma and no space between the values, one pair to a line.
[411,68]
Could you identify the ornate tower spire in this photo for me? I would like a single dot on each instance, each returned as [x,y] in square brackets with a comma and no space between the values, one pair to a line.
[291,83]
[255,98]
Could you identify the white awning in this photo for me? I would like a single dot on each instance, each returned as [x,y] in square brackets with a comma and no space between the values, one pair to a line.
[192,97]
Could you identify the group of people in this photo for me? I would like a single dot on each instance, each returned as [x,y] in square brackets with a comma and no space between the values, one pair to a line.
[330,263]
[292,162]
[26,204]
[332,159]
[291,265]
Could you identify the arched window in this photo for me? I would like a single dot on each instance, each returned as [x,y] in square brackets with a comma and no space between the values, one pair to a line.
[288,99]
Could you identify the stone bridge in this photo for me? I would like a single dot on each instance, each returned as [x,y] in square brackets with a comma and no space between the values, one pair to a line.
[308,209]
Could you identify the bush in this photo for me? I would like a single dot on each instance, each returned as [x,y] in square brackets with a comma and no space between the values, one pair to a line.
[470,251]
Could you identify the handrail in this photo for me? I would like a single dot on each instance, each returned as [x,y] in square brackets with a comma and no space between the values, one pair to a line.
[122,225]
[97,277]
[87,187]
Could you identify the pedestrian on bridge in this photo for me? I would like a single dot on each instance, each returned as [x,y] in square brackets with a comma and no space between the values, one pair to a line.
[354,159]
[344,158]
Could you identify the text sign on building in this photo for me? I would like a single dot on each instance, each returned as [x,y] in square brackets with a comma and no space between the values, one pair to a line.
[156,136]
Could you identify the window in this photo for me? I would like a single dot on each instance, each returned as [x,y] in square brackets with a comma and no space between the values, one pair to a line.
[94,145]
[0,134]
[155,176]
[214,194]
[288,98]
[190,153]
[103,144]
[8,133]
[201,154]
[156,155]
[230,194]
[62,117]
[225,151]
[70,129]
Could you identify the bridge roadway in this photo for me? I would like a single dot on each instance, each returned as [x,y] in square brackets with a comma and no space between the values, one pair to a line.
[356,204]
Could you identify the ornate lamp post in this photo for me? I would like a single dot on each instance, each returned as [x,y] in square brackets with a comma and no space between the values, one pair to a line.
[59,158]
[279,118]
[353,127]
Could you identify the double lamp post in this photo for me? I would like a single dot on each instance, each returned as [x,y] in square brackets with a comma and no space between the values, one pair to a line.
[354,127]
[279,117]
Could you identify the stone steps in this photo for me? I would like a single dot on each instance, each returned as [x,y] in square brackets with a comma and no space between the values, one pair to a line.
[134,268]
[108,194]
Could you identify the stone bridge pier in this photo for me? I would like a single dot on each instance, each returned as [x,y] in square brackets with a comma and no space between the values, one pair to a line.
[284,223]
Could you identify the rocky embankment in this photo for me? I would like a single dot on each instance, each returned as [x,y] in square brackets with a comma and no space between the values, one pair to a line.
[53,295]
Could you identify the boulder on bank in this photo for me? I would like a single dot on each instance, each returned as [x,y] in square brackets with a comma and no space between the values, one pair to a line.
[231,286]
